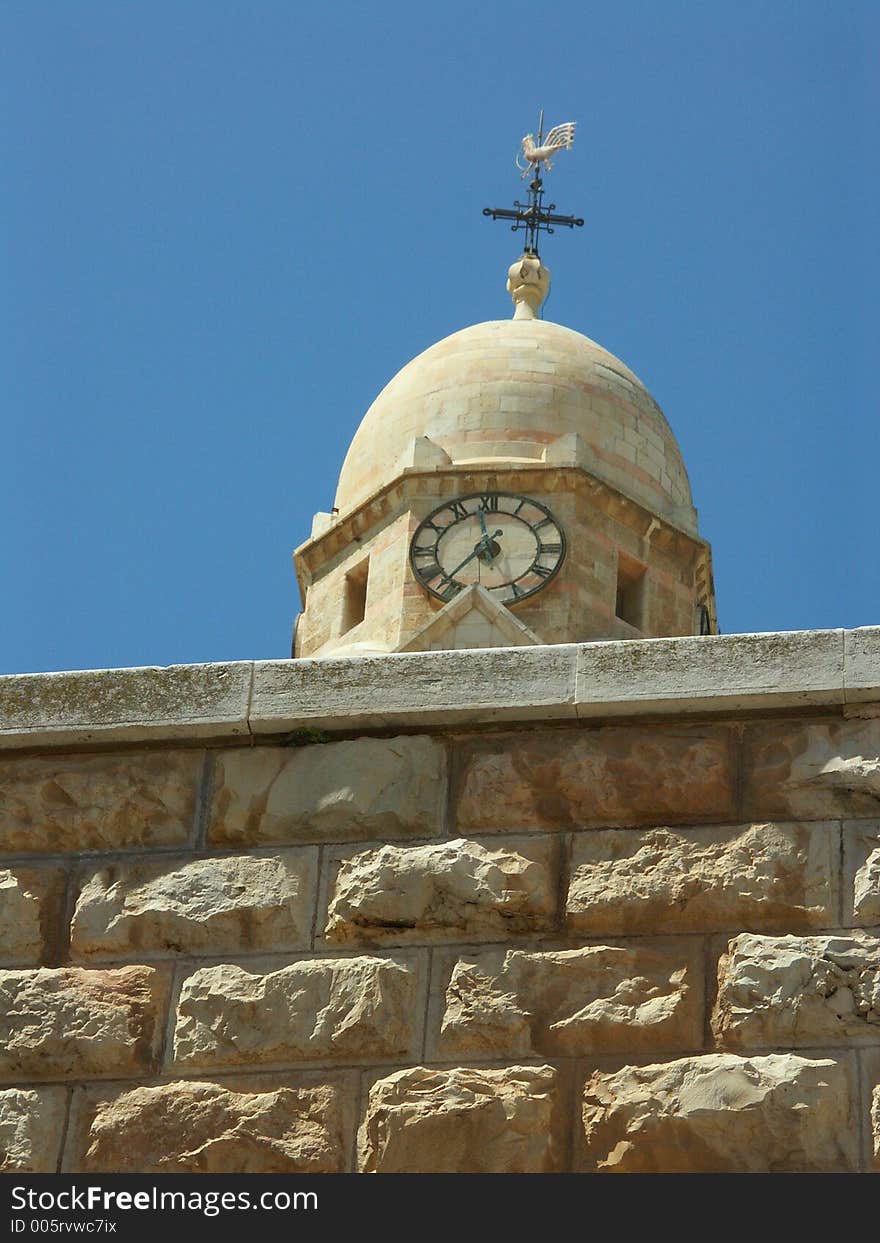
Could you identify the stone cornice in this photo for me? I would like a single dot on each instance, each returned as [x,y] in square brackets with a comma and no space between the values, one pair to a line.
[390,500]
[253,700]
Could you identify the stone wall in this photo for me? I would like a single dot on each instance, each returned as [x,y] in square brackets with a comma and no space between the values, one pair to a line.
[643,938]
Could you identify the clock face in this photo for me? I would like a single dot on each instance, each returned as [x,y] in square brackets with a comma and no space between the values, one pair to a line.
[509,544]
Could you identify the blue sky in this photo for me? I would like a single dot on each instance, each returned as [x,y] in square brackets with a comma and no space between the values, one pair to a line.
[229,224]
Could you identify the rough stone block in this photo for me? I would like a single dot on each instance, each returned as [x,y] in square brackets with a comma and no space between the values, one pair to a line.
[31,1129]
[124,705]
[67,1022]
[29,905]
[797,992]
[449,890]
[722,1114]
[313,1010]
[600,999]
[861,872]
[875,1124]
[98,802]
[706,879]
[369,787]
[800,770]
[460,1121]
[196,906]
[192,1127]
[619,775]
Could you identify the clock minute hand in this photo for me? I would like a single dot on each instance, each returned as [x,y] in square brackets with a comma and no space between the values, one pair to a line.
[483,543]
[469,557]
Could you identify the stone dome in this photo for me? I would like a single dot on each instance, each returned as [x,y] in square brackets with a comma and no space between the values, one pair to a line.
[500,392]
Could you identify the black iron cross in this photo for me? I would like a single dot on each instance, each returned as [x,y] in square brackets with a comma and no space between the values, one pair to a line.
[533,217]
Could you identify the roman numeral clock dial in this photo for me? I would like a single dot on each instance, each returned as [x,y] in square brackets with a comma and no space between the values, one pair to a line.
[509,544]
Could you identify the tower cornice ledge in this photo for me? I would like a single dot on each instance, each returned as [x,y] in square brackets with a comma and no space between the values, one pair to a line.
[274,700]
[391,499]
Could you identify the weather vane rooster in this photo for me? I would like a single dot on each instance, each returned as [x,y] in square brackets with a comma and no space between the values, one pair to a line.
[560,138]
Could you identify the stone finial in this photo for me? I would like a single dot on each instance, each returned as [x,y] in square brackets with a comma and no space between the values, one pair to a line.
[528,283]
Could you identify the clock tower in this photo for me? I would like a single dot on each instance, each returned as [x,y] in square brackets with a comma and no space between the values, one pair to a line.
[514,484]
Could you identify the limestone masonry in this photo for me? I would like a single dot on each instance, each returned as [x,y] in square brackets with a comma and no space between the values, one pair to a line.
[589,908]
[517,867]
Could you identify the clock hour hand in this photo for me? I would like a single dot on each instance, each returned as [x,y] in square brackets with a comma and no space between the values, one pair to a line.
[482,514]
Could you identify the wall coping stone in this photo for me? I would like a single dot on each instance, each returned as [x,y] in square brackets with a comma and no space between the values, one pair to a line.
[590,681]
